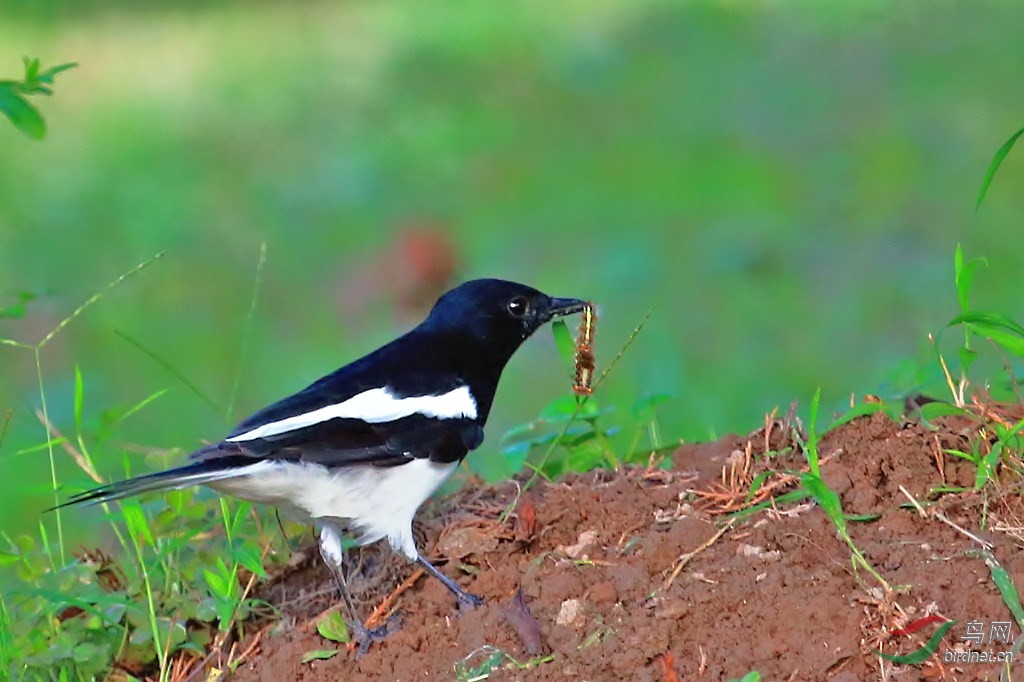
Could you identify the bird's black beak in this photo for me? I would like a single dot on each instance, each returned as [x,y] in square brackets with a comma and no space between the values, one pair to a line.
[563,306]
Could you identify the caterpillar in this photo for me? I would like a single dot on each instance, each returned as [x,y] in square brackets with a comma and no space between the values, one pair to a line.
[585,362]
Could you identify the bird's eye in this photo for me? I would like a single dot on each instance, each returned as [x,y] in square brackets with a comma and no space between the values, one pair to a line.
[518,306]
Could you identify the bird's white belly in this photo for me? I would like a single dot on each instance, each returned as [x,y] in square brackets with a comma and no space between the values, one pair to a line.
[378,502]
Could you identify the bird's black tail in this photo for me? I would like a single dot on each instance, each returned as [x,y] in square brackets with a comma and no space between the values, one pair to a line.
[196,473]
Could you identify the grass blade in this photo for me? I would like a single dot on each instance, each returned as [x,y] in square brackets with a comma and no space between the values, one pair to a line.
[247,333]
[922,654]
[964,276]
[994,165]
[811,449]
[170,369]
[97,296]
[1007,589]
[6,425]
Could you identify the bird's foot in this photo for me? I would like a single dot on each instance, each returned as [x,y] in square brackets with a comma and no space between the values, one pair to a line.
[469,600]
[465,598]
[364,637]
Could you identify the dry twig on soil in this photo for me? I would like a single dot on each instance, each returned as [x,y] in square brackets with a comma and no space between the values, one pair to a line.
[684,559]
[386,608]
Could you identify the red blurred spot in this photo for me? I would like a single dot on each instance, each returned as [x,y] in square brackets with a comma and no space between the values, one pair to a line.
[424,265]
[410,272]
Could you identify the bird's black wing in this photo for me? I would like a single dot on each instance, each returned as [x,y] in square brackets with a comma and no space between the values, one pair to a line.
[344,442]
[331,443]
[296,428]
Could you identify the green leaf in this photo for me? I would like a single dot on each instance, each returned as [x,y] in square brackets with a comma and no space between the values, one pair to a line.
[565,344]
[319,655]
[141,635]
[756,484]
[994,164]
[206,611]
[136,522]
[929,412]
[79,398]
[17,309]
[178,500]
[225,610]
[586,457]
[798,495]
[964,276]
[969,456]
[1007,589]
[827,498]
[31,68]
[249,556]
[985,321]
[138,406]
[516,455]
[922,654]
[863,410]
[333,627]
[239,517]
[995,326]
[48,75]
[752,676]
[23,115]
[1009,342]
[967,358]
[218,584]
[564,407]
[25,543]
[172,631]
[42,446]
[938,408]
[988,463]
[811,447]
[85,652]
[643,409]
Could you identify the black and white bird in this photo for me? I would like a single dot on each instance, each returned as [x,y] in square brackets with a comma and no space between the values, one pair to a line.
[362,448]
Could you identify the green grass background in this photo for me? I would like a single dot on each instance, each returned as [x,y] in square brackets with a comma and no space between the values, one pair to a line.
[785,182]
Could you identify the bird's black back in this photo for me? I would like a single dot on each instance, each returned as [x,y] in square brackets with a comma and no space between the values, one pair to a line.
[466,340]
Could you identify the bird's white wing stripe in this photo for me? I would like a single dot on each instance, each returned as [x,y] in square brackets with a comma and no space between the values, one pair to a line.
[374,406]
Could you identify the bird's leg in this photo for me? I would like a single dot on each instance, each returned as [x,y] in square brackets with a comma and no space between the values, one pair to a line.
[330,550]
[463,596]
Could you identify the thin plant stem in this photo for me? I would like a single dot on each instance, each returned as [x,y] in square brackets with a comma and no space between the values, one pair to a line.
[161,654]
[7,424]
[198,392]
[247,334]
[539,466]
[97,296]
[37,353]
[58,516]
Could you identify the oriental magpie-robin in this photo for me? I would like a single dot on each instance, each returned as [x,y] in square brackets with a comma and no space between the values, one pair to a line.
[362,448]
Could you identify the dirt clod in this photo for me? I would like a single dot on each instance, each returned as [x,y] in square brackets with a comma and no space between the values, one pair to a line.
[519,617]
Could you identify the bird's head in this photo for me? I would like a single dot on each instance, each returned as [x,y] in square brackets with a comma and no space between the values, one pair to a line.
[498,313]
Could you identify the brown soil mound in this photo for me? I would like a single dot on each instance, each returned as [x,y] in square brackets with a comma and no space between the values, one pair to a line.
[632,575]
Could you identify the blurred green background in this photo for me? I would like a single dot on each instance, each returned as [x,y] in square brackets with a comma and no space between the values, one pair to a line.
[785,182]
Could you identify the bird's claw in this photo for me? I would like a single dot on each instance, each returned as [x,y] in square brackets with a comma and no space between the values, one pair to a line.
[364,637]
[471,600]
